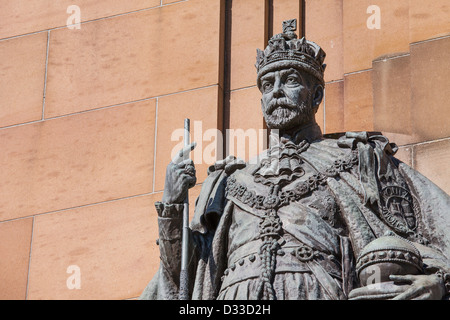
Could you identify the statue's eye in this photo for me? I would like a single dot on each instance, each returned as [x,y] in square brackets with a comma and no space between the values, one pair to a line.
[267,86]
[292,80]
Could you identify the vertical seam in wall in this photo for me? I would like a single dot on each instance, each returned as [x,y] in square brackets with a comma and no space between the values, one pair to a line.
[269,21]
[302,5]
[45,76]
[29,259]
[154,147]
[324,111]
[226,74]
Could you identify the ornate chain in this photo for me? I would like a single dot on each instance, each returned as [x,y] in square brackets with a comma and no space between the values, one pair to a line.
[284,197]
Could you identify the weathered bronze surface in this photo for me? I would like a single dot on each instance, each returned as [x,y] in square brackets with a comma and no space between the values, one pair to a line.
[316,217]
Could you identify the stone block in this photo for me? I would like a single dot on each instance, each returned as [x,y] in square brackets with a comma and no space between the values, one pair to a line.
[246,132]
[77,160]
[21,16]
[364,41]
[358,102]
[248,33]
[428,21]
[15,241]
[109,249]
[135,56]
[431,159]
[22,78]
[334,107]
[327,13]
[430,80]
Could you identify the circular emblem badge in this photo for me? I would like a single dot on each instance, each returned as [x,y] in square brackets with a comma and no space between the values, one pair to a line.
[399,208]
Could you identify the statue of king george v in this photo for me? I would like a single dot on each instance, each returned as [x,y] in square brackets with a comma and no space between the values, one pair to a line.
[315,217]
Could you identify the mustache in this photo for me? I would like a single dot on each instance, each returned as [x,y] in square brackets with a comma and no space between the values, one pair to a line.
[280,102]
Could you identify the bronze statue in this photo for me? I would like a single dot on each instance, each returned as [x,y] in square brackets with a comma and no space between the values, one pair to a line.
[315,218]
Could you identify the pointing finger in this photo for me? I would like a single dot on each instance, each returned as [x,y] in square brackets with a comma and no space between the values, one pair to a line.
[183,153]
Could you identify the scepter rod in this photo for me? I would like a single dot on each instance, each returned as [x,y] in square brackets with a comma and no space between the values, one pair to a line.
[184,275]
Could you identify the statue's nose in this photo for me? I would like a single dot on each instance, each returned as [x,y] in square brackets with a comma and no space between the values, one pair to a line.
[277,88]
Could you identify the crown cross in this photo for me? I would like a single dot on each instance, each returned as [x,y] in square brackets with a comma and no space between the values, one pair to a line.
[289,25]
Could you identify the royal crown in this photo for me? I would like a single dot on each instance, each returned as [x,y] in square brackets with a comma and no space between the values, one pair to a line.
[286,50]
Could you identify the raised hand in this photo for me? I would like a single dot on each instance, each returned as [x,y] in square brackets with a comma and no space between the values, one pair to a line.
[180,176]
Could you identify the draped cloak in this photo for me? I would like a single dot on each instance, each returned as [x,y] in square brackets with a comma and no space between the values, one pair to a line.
[375,194]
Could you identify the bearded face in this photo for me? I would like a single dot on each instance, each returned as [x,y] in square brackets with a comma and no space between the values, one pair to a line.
[287,99]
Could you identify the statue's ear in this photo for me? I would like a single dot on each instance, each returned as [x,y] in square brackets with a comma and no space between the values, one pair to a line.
[318,96]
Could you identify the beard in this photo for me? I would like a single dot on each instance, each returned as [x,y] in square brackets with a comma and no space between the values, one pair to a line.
[284,114]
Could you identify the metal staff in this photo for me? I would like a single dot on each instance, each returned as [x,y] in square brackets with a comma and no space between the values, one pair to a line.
[184,275]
